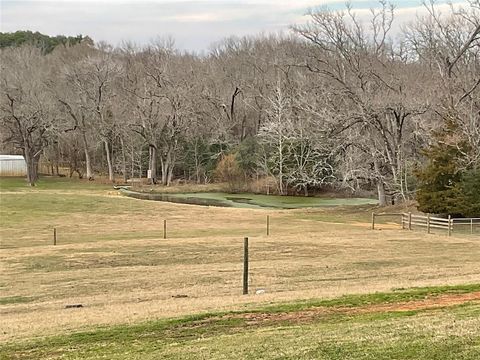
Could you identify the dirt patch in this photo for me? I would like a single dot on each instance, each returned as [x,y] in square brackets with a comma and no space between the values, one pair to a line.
[313,313]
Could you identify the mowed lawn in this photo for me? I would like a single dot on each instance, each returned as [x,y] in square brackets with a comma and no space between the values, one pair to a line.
[146,297]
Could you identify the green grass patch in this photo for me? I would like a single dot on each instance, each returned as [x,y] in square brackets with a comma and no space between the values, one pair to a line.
[50,183]
[400,295]
[15,300]
[334,335]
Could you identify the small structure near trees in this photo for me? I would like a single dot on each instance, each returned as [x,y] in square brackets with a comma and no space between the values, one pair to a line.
[12,165]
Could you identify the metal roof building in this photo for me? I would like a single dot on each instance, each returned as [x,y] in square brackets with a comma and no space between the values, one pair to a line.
[12,165]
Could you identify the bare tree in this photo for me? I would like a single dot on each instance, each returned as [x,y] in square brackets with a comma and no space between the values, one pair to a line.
[365,73]
[23,106]
[450,45]
[67,91]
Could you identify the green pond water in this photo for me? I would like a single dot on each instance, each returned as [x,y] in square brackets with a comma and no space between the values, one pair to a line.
[250,200]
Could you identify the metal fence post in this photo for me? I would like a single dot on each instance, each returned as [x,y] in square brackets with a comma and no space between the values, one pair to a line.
[245,266]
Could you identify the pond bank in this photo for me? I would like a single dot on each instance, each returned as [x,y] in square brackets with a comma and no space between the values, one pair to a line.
[246,200]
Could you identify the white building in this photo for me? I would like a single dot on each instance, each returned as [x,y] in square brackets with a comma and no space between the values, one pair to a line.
[12,165]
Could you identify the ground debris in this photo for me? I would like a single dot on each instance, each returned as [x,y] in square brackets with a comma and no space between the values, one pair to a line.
[73,306]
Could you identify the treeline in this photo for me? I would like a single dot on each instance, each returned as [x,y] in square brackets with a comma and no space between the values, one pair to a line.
[338,103]
[44,42]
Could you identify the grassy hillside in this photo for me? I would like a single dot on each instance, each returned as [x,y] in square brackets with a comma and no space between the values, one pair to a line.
[333,287]
[427,323]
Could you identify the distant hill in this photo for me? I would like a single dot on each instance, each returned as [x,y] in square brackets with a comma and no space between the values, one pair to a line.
[45,42]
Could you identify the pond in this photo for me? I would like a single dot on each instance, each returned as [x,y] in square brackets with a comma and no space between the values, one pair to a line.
[247,200]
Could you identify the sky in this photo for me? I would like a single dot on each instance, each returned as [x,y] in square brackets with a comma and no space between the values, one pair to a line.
[194,24]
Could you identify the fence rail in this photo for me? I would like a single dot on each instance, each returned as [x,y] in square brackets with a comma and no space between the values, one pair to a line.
[409,220]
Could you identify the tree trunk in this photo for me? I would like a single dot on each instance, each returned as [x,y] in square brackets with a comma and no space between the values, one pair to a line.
[243,129]
[172,158]
[132,173]
[109,161]
[124,161]
[33,172]
[57,158]
[382,198]
[152,164]
[197,163]
[280,166]
[168,164]
[164,164]
[170,175]
[32,166]
[88,163]
[140,164]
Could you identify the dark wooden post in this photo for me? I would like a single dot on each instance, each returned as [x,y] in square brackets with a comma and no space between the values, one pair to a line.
[165,229]
[450,225]
[268,225]
[471,226]
[245,266]
[409,221]
[373,221]
[428,223]
[54,236]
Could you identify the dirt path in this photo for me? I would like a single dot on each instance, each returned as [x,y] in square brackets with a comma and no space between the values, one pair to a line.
[428,303]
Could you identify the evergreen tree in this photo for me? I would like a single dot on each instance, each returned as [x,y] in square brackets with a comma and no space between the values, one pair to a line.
[247,155]
[440,189]
[469,202]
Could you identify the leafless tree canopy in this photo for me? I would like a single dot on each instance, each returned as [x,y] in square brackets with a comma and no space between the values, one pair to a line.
[339,101]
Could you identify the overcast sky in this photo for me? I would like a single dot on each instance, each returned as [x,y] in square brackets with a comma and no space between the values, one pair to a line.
[194,24]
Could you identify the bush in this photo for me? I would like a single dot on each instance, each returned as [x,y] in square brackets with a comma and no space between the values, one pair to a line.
[228,170]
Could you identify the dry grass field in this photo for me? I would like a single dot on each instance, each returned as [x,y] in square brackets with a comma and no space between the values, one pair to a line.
[111,258]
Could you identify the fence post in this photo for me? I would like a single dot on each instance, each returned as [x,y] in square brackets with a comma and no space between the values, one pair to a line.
[402,219]
[165,228]
[450,225]
[471,226]
[409,221]
[245,266]
[54,236]
[428,223]
[268,225]
[373,221]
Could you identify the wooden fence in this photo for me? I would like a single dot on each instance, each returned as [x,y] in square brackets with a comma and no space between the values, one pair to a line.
[429,222]
[409,221]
